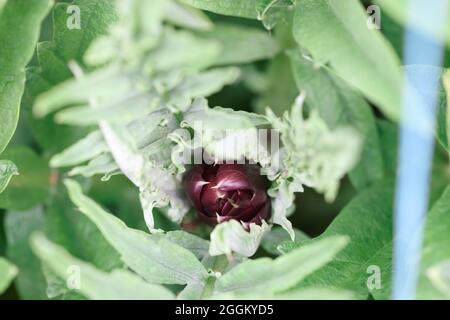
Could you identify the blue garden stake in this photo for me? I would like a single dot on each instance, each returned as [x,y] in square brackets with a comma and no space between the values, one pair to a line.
[418,117]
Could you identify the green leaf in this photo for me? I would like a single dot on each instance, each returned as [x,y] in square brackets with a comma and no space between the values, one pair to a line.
[446,80]
[180,97]
[308,146]
[389,137]
[57,288]
[439,275]
[336,32]
[279,90]
[8,272]
[230,236]
[30,282]
[396,9]
[155,259]
[187,17]
[85,149]
[221,118]
[2,4]
[181,48]
[49,135]
[341,106]
[76,233]
[201,84]
[31,186]
[270,12]
[238,8]
[7,170]
[96,18]
[19,19]
[104,82]
[388,133]
[66,45]
[198,246]
[241,44]
[103,164]
[367,221]
[436,245]
[283,273]
[279,237]
[94,283]
[67,227]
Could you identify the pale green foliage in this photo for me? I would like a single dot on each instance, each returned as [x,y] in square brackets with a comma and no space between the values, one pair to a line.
[439,275]
[15,55]
[341,106]
[156,259]
[336,32]
[273,241]
[172,258]
[236,40]
[225,134]
[279,275]
[139,88]
[171,76]
[30,282]
[188,17]
[435,249]
[32,180]
[312,156]
[230,236]
[269,12]
[94,283]
[366,220]
[2,4]
[7,170]
[8,272]
[89,147]
[446,79]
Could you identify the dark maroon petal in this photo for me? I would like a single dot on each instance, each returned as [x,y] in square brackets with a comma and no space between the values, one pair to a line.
[263,213]
[212,220]
[233,180]
[252,174]
[193,184]
[231,203]
[210,172]
[255,210]
[259,198]
[212,198]
[228,191]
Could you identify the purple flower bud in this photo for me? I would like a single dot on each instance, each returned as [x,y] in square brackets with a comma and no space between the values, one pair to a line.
[228,191]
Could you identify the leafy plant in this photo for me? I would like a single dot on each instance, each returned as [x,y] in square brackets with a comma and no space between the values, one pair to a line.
[101,196]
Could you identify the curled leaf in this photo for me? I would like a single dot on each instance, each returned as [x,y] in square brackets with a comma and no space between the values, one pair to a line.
[7,170]
[230,236]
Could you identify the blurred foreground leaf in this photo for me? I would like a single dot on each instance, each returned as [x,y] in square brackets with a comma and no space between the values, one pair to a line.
[336,32]
[275,276]
[154,258]
[92,282]
[31,186]
[8,271]
[20,22]
[7,170]
[341,106]
[30,282]
[54,56]
[436,245]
